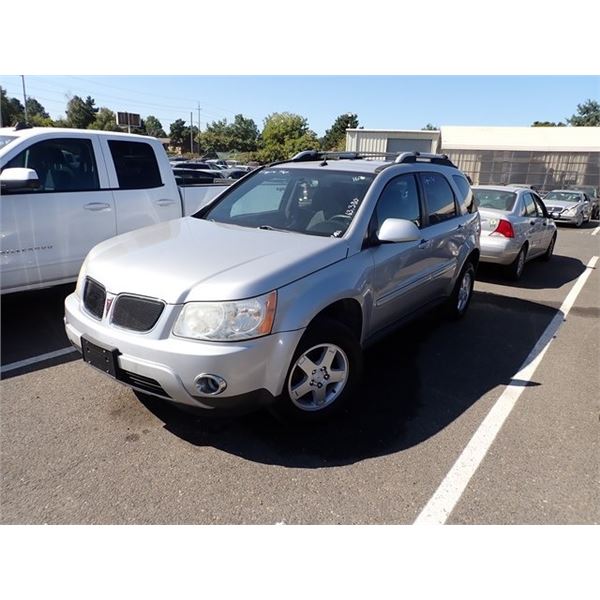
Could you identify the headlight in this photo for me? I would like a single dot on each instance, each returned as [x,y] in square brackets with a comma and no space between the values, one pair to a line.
[571,212]
[81,279]
[227,321]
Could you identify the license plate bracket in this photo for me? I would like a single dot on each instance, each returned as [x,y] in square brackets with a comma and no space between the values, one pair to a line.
[100,357]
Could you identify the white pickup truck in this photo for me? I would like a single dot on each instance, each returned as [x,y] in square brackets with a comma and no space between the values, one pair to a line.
[65,190]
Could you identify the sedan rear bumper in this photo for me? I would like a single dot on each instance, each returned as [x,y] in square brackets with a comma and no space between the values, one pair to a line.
[498,249]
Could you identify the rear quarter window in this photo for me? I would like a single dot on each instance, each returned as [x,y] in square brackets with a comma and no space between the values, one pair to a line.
[135,164]
[465,199]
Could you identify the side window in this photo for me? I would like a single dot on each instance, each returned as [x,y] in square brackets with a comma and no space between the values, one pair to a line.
[466,194]
[399,200]
[539,206]
[530,209]
[62,165]
[135,164]
[440,198]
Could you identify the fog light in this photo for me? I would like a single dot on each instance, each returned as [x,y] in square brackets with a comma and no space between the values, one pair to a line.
[210,385]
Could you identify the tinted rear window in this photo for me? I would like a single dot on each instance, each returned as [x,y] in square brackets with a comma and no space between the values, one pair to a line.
[135,164]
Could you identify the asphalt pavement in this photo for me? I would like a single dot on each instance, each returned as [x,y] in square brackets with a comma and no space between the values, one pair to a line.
[79,448]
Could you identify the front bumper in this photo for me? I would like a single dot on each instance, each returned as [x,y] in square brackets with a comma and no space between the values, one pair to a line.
[167,366]
[498,250]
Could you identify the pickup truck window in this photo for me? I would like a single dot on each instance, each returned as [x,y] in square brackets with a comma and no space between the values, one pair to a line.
[135,164]
[312,201]
[62,165]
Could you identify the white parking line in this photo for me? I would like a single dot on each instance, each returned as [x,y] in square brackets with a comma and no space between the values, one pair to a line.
[595,232]
[36,359]
[445,498]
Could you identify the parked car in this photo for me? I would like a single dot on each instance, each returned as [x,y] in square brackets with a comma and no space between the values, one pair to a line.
[65,190]
[195,176]
[515,227]
[269,294]
[528,186]
[568,206]
[592,193]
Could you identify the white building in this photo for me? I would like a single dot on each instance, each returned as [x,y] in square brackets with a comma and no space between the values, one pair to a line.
[548,157]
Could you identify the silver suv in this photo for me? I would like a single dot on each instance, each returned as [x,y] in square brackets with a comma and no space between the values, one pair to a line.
[269,294]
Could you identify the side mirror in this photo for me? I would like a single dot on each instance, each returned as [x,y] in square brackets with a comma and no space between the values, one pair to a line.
[398,230]
[19,179]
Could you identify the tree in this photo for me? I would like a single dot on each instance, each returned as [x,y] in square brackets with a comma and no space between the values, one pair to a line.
[11,109]
[335,136]
[105,120]
[430,127]
[588,115]
[217,137]
[81,113]
[284,134]
[244,134]
[547,124]
[154,127]
[177,131]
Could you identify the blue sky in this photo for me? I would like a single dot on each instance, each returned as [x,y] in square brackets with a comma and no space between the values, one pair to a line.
[381,102]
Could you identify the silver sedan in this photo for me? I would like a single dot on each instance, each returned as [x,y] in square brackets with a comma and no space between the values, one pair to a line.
[568,206]
[515,227]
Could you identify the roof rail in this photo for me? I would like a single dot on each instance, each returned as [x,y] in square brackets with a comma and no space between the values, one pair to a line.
[413,157]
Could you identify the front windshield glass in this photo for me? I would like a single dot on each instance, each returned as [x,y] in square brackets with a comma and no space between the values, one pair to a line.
[6,139]
[563,196]
[495,199]
[312,201]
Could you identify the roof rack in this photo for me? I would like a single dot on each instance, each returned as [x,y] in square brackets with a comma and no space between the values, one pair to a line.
[435,159]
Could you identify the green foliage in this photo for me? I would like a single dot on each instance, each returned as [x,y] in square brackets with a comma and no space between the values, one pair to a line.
[11,109]
[588,115]
[335,136]
[430,127]
[177,132]
[547,124]
[283,135]
[217,137]
[240,136]
[154,127]
[81,113]
[105,120]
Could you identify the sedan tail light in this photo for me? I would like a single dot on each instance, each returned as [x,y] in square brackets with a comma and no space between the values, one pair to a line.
[504,228]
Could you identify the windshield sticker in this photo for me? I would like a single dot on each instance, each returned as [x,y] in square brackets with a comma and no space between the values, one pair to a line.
[351,208]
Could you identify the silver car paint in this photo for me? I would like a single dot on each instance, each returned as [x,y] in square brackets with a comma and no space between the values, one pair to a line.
[535,231]
[193,260]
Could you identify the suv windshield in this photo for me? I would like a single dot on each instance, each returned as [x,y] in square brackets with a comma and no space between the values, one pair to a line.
[312,201]
[564,196]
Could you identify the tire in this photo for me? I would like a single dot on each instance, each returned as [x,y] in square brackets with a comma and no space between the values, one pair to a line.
[324,383]
[458,302]
[548,254]
[515,269]
[579,221]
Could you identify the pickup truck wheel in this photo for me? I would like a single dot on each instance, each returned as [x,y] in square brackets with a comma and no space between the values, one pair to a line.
[459,300]
[323,373]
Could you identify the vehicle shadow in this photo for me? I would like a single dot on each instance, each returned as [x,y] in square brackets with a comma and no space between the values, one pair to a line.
[416,383]
[31,324]
[537,274]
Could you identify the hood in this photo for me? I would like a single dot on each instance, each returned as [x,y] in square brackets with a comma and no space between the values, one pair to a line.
[561,204]
[192,259]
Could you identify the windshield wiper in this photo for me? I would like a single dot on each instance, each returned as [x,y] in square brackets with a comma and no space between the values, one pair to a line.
[269,228]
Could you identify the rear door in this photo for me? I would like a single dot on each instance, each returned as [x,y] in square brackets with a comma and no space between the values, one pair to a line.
[535,225]
[144,190]
[46,233]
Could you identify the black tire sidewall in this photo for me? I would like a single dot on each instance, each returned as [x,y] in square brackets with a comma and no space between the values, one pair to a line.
[321,332]
[452,306]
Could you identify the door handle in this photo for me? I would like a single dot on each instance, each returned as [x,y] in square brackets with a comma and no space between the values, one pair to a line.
[95,206]
[165,202]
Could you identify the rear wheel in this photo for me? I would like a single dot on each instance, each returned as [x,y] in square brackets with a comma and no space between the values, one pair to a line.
[515,269]
[548,254]
[323,373]
[459,300]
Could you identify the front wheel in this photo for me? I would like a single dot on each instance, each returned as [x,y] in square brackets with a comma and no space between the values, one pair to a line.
[323,373]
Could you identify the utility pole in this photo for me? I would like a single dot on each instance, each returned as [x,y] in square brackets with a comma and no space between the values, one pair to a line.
[24,98]
[198,116]
[192,132]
